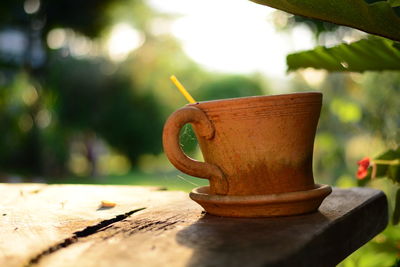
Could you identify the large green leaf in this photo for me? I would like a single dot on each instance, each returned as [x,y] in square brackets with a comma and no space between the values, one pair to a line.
[367,54]
[396,212]
[376,17]
[391,171]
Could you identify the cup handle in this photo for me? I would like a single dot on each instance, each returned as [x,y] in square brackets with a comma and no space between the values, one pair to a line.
[174,152]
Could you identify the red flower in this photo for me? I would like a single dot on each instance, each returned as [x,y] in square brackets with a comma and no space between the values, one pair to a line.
[363,168]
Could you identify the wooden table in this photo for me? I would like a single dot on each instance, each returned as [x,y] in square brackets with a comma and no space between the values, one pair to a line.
[63,225]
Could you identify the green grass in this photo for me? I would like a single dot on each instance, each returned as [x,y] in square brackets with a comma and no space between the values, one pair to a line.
[382,251]
[171,181]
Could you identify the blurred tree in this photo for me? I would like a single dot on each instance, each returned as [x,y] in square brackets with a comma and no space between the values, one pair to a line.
[49,96]
[61,92]
[230,87]
[88,18]
[109,105]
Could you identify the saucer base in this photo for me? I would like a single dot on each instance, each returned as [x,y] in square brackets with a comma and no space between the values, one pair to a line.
[271,205]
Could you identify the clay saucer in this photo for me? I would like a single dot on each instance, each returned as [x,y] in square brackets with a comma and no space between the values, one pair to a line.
[270,205]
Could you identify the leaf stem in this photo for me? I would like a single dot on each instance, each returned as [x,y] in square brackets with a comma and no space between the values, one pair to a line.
[386,162]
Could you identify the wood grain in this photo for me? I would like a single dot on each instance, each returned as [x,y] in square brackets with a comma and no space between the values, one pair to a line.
[174,231]
[34,217]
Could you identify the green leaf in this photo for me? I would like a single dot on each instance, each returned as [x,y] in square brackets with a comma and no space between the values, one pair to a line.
[377,18]
[381,170]
[390,154]
[394,3]
[373,1]
[396,212]
[394,173]
[368,54]
[390,171]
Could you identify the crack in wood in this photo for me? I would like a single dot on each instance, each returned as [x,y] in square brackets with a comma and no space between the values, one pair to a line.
[129,228]
[153,226]
[90,230]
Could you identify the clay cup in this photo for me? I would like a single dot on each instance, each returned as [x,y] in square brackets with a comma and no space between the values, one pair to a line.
[251,146]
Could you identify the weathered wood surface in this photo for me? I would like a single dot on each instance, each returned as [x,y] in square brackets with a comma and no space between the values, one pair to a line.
[59,225]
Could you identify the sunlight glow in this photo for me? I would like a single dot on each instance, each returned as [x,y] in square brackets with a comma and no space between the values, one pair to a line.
[29,95]
[114,164]
[56,38]
[123,40]
[31,6]
[234,36]
[43,118]
[313,77]
[76,44]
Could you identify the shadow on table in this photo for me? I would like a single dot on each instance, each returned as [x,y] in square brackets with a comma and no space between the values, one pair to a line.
[219,241]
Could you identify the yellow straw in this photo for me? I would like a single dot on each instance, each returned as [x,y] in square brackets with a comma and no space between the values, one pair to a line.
[182,89]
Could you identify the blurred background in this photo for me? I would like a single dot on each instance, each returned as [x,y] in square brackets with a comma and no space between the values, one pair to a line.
[85,90]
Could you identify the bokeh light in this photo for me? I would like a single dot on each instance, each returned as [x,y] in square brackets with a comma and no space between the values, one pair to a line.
[123,40]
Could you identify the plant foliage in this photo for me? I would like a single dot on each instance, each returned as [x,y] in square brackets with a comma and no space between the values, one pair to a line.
[391,171]
[377,17]
[372,54]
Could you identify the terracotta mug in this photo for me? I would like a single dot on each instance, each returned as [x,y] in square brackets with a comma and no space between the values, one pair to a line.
[257,145]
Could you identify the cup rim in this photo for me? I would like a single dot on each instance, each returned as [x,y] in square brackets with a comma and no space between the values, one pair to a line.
[309,94]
